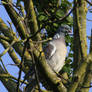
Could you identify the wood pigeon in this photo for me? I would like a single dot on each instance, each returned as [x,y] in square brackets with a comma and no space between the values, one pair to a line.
[56,50]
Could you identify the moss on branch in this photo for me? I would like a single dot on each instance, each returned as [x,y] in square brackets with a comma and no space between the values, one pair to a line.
[8,82]
[16,19]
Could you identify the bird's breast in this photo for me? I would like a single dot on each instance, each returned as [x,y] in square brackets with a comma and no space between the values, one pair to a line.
[58,59]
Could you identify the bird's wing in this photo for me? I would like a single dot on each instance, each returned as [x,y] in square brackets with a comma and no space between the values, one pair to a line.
[49,50]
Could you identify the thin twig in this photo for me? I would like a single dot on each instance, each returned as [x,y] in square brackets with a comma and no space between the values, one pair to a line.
[89,2]
[5,38]
[42,41]
[87,87]
[6,50]
[34,63]
[66,15]
[39,41]
[20,71]
[59,20]
[3,65]
[91,42]
[10,24]
[35,70]
[10,76]
[13,64]
[89,20]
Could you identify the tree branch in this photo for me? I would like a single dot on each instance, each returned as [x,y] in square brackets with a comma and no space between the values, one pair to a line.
[80,71]
[88,75]
[10,76]
[31,18]
[5,38]
[16,19]
[13,55]
[87,80]
[8,82]
[18,46]
[90,3]
[6,50]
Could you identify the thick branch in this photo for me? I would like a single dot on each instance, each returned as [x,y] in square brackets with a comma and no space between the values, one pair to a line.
[6,30]
[80,31]
[88,76]
[80,71]
[31,18]
[80,43]
[81,20]
[87,79]
[76,41]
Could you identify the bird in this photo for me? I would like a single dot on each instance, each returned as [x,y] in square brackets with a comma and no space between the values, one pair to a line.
[56,50]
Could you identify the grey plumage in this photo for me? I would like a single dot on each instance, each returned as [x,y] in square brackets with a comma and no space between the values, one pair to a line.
[56,50]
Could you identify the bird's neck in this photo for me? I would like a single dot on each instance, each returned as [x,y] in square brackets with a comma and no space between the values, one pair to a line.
[59,35]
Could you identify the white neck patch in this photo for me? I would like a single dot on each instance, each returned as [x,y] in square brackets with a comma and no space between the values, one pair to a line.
[56,36]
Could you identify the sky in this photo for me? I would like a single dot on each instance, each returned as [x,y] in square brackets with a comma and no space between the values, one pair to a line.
[7,60]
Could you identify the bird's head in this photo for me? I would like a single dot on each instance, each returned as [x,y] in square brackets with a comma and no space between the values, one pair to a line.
[62,31]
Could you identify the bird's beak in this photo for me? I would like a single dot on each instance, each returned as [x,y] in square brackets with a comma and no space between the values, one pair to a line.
[70,31]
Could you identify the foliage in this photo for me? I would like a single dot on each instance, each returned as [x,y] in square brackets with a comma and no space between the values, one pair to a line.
[29,18]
